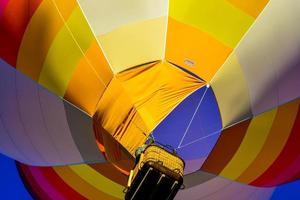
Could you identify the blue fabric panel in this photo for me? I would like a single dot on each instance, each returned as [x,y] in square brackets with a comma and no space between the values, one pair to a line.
[170,131]
[206,121]
[193,127]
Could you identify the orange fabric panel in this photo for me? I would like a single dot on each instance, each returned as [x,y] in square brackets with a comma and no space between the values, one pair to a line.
[90,79]
[110,172]
[252,7]
[206,53]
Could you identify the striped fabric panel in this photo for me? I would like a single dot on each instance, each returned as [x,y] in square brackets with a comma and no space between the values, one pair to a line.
[220,19]
[32,185]
[223,21]
[53,76]
[14,17]
[89,80]
[287,165]
[98,181]
[41,180]
[80,181]
[261,150]
[58,183]
[77,183]
[276,140]
[110,172]
[40,33]
[32,179]
[255,138]
[40,128]
[230,140]
[55,29]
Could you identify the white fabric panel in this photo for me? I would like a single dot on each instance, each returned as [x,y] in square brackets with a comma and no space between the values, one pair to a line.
[7,146]
[11,119]
[270,56]
[231,91]
[33,120]
[106,15]
[35,128]
[57,125]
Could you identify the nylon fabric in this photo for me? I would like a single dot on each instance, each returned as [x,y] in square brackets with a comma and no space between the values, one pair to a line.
[140,109]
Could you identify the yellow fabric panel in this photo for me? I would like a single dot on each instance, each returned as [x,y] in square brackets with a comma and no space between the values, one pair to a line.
[81,186]
[129,112]
[279,134]
[66,51]
[98,181]
[252,7]
[135,44]
[218,18]
[187,42]
[40,32]
[251,145]
[88,82]
[117,115]
[155,99]
[231,91]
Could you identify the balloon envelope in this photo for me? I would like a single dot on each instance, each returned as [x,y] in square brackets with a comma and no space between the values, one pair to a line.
[89,81]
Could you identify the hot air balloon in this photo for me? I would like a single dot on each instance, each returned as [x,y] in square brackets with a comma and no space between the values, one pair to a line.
[85,83]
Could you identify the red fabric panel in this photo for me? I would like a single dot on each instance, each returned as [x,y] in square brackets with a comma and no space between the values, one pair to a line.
[31,184]
[55,180]
[13,23]
[3,4]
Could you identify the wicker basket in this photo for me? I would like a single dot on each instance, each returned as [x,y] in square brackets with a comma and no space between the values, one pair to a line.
[157,164]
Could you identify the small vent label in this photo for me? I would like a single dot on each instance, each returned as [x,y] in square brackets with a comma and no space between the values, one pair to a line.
[189,62]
